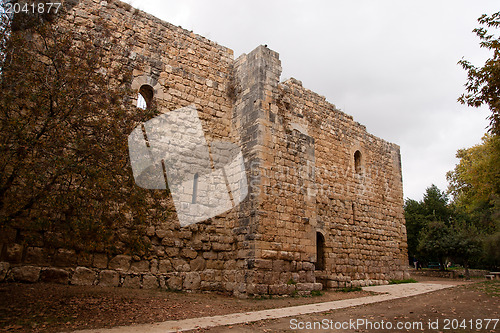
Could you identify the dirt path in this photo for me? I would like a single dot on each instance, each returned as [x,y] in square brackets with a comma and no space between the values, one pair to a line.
[464,308]
[54,308]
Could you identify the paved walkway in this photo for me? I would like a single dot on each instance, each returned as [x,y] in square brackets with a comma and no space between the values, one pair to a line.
[388,292]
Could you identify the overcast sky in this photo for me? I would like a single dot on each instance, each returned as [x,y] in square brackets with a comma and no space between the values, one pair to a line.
[392,65]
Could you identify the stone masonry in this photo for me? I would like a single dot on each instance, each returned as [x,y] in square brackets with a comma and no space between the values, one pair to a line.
[325,201]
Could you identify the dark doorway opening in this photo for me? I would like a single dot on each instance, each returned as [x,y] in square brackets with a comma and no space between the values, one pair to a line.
[320,251]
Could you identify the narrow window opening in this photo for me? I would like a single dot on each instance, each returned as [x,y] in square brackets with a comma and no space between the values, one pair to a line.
[145,97]
[357,162]
[353,212]
[195,188]
[320,252]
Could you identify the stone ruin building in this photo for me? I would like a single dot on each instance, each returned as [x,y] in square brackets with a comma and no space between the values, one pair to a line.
[325,200]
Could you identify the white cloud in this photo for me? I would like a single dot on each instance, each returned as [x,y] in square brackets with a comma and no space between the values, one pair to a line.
[391,64]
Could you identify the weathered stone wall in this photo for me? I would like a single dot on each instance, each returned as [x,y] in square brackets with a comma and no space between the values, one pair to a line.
[303,163]
[299,156]
[359,209]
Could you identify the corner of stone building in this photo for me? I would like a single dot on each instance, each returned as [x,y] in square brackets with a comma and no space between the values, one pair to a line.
[269,245]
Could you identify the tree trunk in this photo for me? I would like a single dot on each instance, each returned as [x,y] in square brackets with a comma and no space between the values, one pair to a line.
[467,273]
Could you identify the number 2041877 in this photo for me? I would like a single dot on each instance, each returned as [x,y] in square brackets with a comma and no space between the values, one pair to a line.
[40,8]
[471,324]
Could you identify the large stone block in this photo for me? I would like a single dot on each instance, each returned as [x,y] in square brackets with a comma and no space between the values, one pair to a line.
[120,263]
[180,265]
[189,253]
[36,256]
[211,286]
[83,276]
[65,258]
[305,286]
[160,233]
[197,264]
[149,282]
[109,278]
[269,254]
[140,266]
[211,255]
[54,275]
[174,283]
[192,281]
[264,264]
[278,289]
[26,273]
[308,266]
[171,251]
[165,266]
[317,286]
[261,289]
[132,281]
[154,266]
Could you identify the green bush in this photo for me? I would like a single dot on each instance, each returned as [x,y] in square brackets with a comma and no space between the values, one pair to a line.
[316,293]
[393,281]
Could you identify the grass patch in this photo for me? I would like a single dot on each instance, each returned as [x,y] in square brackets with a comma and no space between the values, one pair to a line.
[394,281]
[316,293]
[491,288]
[350,289]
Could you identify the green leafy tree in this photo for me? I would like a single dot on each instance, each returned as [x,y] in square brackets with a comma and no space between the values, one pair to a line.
[415,222]
[436,242]
[435,205]
[64,165]
[483,83]
[467,245]
[492,250]
[418,215]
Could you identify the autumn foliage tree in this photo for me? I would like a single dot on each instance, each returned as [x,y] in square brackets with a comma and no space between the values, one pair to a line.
[483,83]
[64,164]
[467,229]
[475,186]
[475,182]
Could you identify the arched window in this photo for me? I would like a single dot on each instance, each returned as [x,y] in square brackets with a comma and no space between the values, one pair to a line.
[320,252]
[357,162]
[145,97]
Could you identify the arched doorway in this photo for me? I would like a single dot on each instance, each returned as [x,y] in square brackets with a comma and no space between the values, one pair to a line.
[320,252]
